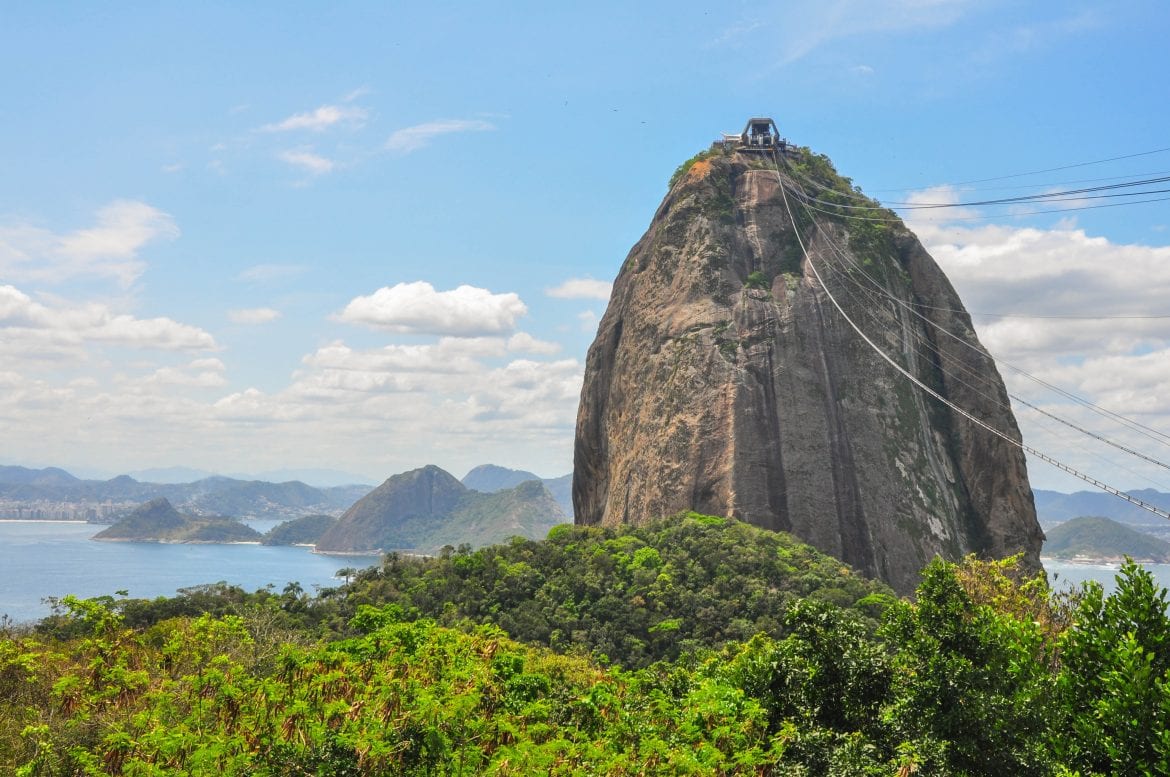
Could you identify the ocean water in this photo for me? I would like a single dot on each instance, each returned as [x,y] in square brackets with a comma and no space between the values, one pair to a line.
[50,558]
[1065,574]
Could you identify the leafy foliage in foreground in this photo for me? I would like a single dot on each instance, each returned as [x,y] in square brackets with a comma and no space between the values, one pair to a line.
[986,673]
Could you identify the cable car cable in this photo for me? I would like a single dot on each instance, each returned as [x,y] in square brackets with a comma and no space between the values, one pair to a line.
[922,386]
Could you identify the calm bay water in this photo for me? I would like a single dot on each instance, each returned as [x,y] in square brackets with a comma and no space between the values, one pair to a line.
[40,559]
[1062,574]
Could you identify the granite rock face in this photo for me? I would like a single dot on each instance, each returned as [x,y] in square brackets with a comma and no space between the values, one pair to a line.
[724,380]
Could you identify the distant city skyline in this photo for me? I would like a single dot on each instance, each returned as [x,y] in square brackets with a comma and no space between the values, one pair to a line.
[365,239]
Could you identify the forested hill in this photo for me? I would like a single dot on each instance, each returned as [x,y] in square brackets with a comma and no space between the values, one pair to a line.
[1094,537]
[986,673]
[633,594]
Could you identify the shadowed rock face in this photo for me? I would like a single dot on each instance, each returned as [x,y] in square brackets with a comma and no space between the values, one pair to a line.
[723,380]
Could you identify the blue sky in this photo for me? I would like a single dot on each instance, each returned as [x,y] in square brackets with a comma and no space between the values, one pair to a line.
[365,237]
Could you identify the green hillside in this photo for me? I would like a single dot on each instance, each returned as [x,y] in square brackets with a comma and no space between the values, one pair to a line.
[427,508]
[1096,537]
[635,594]
[305,530]
[963,680]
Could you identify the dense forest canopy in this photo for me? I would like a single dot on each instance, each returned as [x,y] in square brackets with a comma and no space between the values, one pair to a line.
[985,672]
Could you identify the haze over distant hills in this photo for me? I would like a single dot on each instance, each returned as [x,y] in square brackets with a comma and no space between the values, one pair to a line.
[399,514]
[318,478]
[24,488]
[1053,506]
[1100,538]
[490,478]
[54,493]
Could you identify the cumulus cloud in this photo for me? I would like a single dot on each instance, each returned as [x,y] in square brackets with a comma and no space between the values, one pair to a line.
[308,161]
[253,315]
[581,288]
[419,136]
[109,248]
[1077,311]
[526,343]
[417,308]
[34,325]
[439,402]
[447,357]
[320,119]
[200,373]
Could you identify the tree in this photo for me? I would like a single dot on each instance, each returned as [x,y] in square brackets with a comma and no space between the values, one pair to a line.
[1114,682]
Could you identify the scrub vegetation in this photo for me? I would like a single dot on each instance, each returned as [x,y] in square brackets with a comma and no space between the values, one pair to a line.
[698,645]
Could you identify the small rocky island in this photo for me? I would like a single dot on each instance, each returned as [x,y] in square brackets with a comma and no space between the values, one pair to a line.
[158,521]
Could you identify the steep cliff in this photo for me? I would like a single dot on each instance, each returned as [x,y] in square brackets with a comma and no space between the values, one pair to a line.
[724,380]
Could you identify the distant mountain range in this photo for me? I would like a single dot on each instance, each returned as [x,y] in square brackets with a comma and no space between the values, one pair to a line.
[524,512]
[422,510]
[107,500]
[426,509]
[1097,538]
[1053,507]
[490,478]
[318,478]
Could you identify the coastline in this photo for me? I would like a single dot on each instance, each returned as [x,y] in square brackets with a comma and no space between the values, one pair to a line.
[1100,561]
[43,520]
[174,542]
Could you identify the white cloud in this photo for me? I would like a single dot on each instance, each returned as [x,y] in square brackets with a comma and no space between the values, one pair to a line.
[307,161]
[526,343]
[253,315]
[416,308]
[28,324]
[1075,310]
[110,248]
[581,288]
[320,119]
[200,373]
[355,94]
[420,135]
[447,357]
